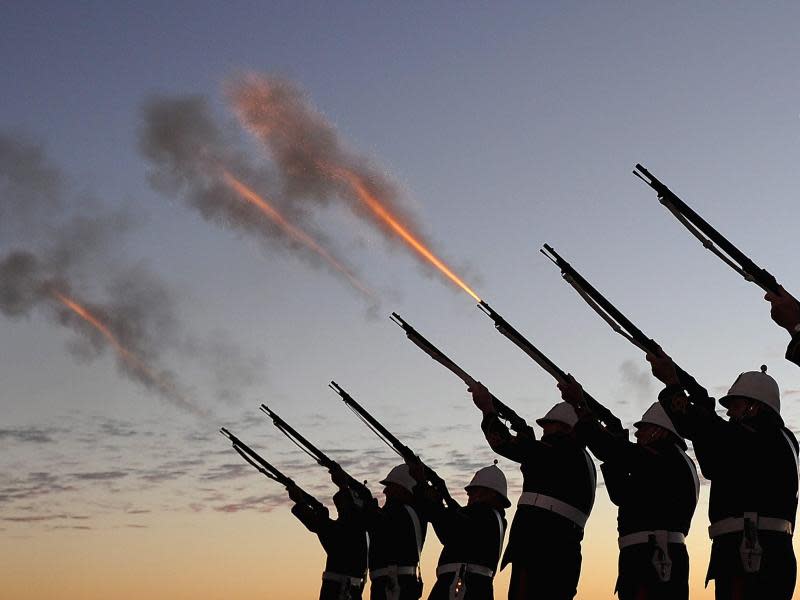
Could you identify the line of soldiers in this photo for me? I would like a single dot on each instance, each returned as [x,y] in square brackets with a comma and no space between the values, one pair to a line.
[750,458]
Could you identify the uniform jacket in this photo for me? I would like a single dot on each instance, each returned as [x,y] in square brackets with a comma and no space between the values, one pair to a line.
[561,469]
[392,535]
[752,465]
[654,487]
[344,539]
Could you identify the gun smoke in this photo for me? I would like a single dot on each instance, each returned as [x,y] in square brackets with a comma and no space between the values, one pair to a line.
[192,157]
[66,242]
[316,166]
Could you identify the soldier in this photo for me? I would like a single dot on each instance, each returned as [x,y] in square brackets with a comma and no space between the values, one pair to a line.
[397,533]
[785,311]
[751,460]
[559,481]
[344,540]
[472,535]
[655,485]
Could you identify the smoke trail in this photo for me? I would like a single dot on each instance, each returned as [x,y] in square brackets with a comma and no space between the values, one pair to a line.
[62,251]
[310,155]
[192,157]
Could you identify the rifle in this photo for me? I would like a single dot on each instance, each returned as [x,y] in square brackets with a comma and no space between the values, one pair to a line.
[603,414]
[266,469]
[516,422]
[320,457]
[711,239]
[390,440]
[619,322]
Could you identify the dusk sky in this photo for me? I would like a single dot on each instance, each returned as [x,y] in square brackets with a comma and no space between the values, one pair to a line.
[490,129]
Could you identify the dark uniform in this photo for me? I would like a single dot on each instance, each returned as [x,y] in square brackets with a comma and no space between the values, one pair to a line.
[346,545]
[656,489]
[544,545]
[397,533]
[472,539]
[752,466]
[793,351]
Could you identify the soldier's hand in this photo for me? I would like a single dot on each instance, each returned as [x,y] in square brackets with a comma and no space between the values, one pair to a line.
[295,494]
[417,470]
[571,391]
[339,478]
[481,397]
[784,309]
[663,368]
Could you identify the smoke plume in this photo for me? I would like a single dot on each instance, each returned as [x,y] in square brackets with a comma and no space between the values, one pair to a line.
[194,158]
[62,255]
[313,161]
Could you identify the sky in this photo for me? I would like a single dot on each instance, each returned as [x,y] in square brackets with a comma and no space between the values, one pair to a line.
[491,129]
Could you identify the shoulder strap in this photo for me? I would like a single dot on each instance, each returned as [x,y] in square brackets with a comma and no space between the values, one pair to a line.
[693,469]
[417,529]
[794,453]
[592,475]
[500,525]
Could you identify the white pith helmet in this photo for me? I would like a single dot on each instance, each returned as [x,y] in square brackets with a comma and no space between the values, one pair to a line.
[492,478]
[560,413]
[401,476]
[656,415]
[755,385]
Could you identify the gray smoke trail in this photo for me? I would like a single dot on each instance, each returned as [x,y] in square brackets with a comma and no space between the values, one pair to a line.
[309,153]
[63,251]
[189,155]
[637,379]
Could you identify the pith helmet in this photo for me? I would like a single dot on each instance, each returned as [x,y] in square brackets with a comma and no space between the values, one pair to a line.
[491,477]
[656,415]
[560,413]
[755,385]
[401,476]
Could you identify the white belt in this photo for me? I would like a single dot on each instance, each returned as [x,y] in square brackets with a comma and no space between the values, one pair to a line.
[733,524]
[555,505]
[386,571]
[345,579]
[468,567]
[643,537]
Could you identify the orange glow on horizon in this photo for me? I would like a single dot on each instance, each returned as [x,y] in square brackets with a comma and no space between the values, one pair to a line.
[294,232]
[374,204]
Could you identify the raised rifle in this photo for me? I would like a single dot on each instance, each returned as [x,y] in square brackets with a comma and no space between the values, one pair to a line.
[611,422]
[516,422]
[619,322]
[711,239]
[318,455]
[266,469]
[406,453]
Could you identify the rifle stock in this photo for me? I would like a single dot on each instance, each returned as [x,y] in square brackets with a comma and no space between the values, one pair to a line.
[505,412]
[268,470]
[601,412]
[401,449]
[618,321]
[699,227]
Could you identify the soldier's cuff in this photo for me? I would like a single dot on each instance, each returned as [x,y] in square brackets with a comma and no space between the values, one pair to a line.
[793,351]
[670,392]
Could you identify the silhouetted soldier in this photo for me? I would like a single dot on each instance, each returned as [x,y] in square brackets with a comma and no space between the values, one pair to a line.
[472,535]
[751,460]
[344,540]
[559,481]
[397,533]
[785,311]
[655,485]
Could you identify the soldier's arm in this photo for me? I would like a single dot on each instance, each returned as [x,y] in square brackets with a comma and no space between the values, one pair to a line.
[513,447]
[314,520]
[785,311]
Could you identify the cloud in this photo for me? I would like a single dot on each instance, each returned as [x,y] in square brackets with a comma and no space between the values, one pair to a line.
[100,475]
[35,435]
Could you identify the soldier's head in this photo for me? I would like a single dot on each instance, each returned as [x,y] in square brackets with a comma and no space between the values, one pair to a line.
[559,422]
[489,487]
[655,426]
[753,393]
[399,484]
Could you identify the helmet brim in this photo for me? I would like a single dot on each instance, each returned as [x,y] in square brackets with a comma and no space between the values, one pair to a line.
[506,501]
